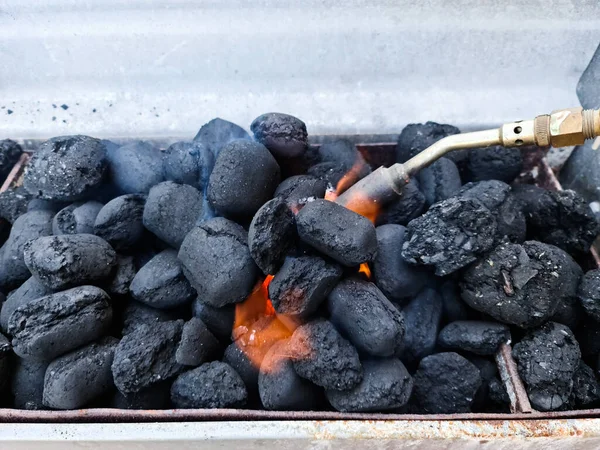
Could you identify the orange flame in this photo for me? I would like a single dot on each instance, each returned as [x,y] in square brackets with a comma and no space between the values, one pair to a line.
[365,269]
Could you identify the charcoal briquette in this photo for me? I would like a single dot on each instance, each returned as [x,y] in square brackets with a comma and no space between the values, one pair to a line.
[345,156]
[329,172]
[453,307]
[28,291]
[217,133]
[10,152]
[285,136]
[499,401]
[156,396]
[137,314]
[300,188]
[121,277]
[569,312]
[120,222]
[135,167]
[13,203]
[586,391]
[197,345]
[218,320]
[188,163]
[27,384]
[439,181]
[493,163]
[408,206]
[246,361]
[77,218]
[416,137]
[40,204]
[588,293]
[474,336]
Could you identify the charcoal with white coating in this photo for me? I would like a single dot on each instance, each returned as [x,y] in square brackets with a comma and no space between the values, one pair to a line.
[493,163]
[77,218]
[197,344]
[285,136]
[13,203]
[27,384]
[28,291]
[586,390]
[188,163]
[416,137]
[408,206]
[121,277]
[120,222]
[60,262]
[439,181]
[135,167]
[217,133]
[474,336]
[589,293]
[218,320]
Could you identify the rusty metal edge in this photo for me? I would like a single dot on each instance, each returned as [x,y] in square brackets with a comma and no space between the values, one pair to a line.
[519,401]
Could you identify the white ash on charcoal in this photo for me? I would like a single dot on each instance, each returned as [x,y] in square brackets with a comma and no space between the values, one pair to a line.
[13,203]
[588,293]
[586,390]
[473,336]
[121,277]
[272,234]
[10,152]
[66,168]
[453,307]
[361,312]
[197,345]
[136,314]
[547,358]
[27,383]
[302,284]
[219,321]
[245,176]
[439,181]
[146,356]
[337,232]
[30,290]
[217,133]
[408,206]
[69,260]
[50,326]
[285,136]
[521,284]
[157,396]
[298,189]
[135,167]
[493,163]
[120,222]
[445,383]
[77,378]
[217,262]
[77,218]
[172,210]
[161,284]
[188,163]
[386,385]
[450,236]
[416,137]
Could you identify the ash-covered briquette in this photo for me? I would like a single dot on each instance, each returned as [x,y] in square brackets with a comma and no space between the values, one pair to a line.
[120,223]
[29,226]
[450,236]
[586,390]
[50,326]
[589,293]
[28,291]
[422,318]
[439,181]
[521,284]
[137,314]
[218,320]
[27,383]
[416,137]
[547,358]
[453,307]
[217,133]
[135,167]
[146,356]
[121,277]
[66,168]
[197,344]
[493,163]
[409,205]
[272,235]
[13,203]
[299,188]
[69,260]
[76,218]
[10,152]
[212,385]
[339,233]
[157,396]
[161,283]
[172,210]
[188,163]
[285,136]
[367,318]
[496,196]
[243,179]
[77,378]
[445,383]
[474,336]
[217,262]
[280,387]
[386,385]
[302,284]
[323,356]
[396,278]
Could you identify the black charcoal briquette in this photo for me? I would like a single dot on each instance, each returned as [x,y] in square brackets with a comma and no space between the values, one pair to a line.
[28,291]
[188,163]
[416,137]
[439,181]
[481,338]
[285,136]
[121,277]
[217,133]
[135,167]
[589,293]
[13,203]
[120,223]
[197,344]
[77,218]
[408,206]
[493,163]
[27,385]
[218,320]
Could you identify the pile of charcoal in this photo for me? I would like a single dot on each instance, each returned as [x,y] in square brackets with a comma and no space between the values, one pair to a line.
[220,273]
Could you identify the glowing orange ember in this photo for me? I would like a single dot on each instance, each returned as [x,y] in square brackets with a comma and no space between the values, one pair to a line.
[364,268]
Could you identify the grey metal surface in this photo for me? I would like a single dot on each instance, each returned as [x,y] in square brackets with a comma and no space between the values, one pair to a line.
[162,67]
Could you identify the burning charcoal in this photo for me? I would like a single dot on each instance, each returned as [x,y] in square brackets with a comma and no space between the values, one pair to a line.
[161,283]
[521,284]
[341,234]
[27,385]
[122,276]
[66,168]
[445,383]
[244,178]
[59,262]
[450,236]
[301,285]
[408,206]
[137,314]
[416,137]
[280,387]
[217,133]
[422,317]
[439,181]
[39,204]
[212,385]
[497,396]
[246,362]
[197,345]
[297,188]
[135,167]
[496,196]
[157,396]
[271,235]
[589,293]
[13,203]
[217,262]
[119,222]
[547,358]
[453,308]
[172,210]
[393,275]
[10,152]
[369,320]
[285,136]
[481,338]
[77,378]
[50,326]
[219,321]
[77,218]
[494,163]
[323,356]
[346,157]
[31,225]
[188,163]
[586,390]
[28,291]
[146,356]
[330,172]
